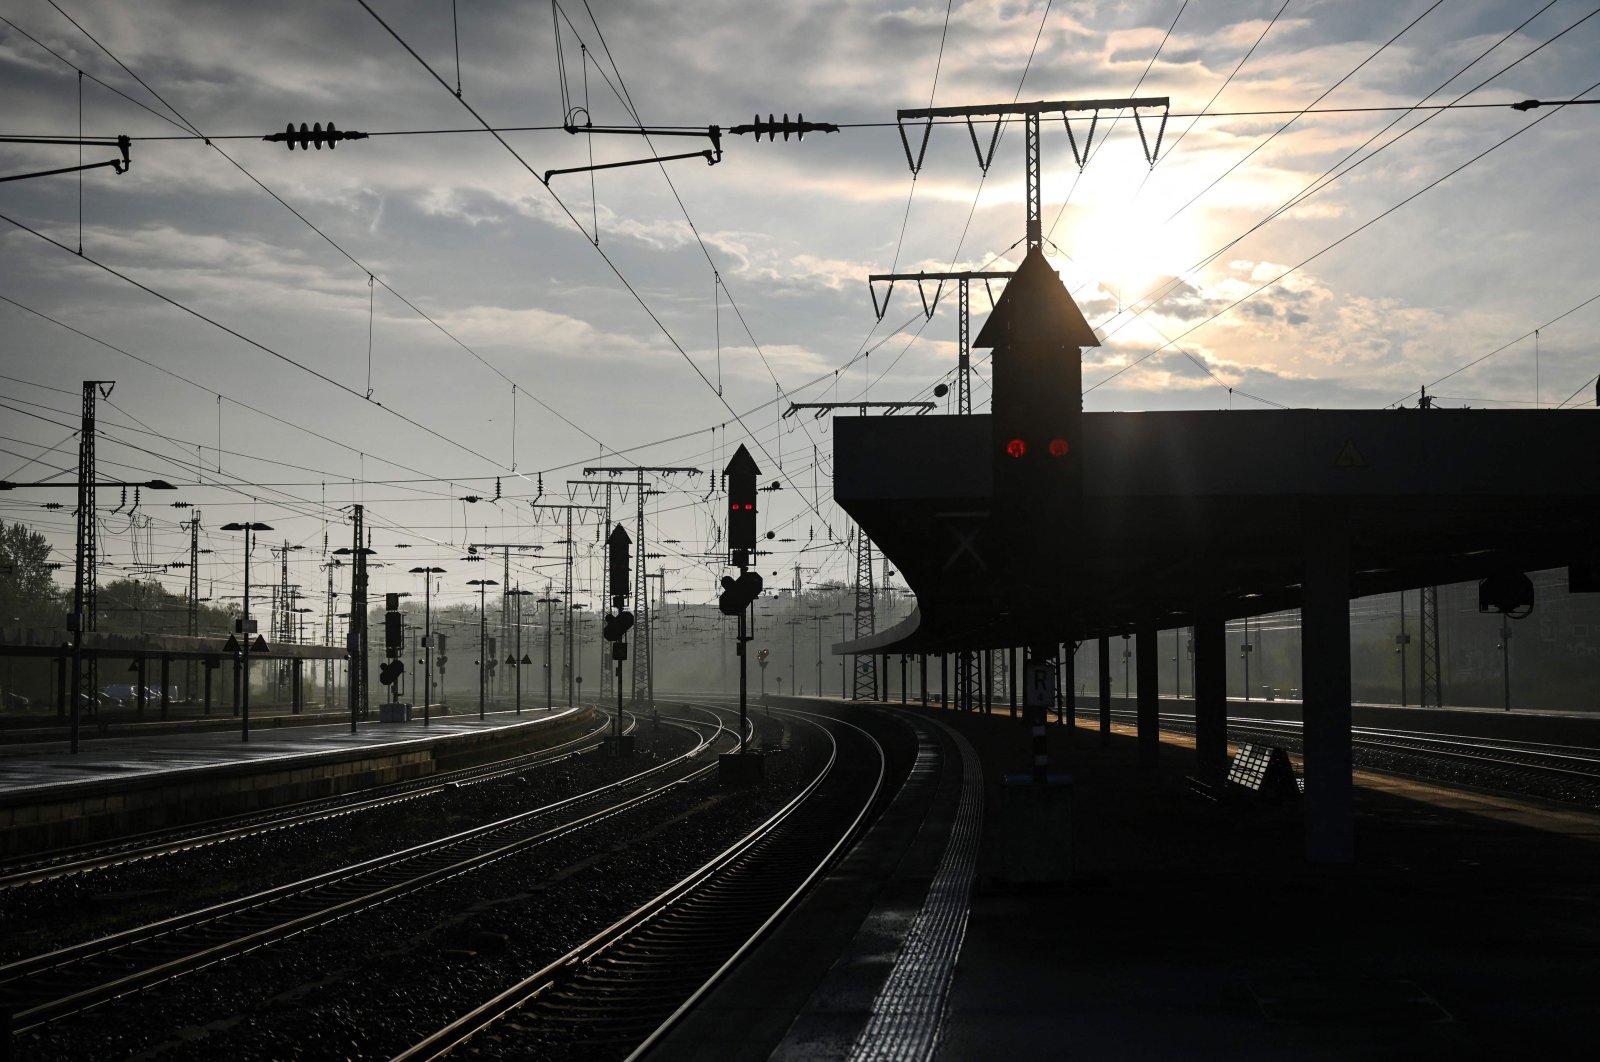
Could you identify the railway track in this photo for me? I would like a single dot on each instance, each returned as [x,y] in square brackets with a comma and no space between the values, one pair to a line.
[133,849]
[1560,772]
[616,991]
[46,988]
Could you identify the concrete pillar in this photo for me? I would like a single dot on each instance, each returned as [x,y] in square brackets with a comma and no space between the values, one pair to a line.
[1067,688]
[1210,698]
[1105,688]
[297,690]
[61,688]
[166,688]
[944,679]
[1148,701]
[1325,682]
[1011,679]
[922,663]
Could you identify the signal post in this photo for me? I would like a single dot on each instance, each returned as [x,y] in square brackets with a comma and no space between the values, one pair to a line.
[738,595]
[615,629]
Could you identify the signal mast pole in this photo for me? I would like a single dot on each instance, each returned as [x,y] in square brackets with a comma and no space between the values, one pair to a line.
[641,655]
[739,595]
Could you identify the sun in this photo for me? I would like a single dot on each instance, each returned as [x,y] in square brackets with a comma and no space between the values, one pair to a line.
[1129,247]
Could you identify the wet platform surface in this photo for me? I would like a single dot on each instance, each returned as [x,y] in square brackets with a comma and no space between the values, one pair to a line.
[37,767]
[1465,929]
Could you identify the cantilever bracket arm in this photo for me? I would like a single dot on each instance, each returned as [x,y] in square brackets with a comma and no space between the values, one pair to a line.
[119,166]
[712,155]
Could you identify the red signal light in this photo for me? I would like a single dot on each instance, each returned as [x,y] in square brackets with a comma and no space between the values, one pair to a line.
[1059,448]
[1016,448]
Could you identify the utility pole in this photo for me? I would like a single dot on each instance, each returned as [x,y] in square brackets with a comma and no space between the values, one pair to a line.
[357,637]
[963,279]
[328,699]
[643,619]
[606,673]
[1401,641]
[358,621]
[866,681]
[567,510]
[1030,114]
[192,629]
[1432,691]
[84,589]
[505,580]
[549,601]
[1505,657]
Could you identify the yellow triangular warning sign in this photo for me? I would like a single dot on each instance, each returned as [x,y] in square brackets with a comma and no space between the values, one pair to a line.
[231,645]
[1349,456]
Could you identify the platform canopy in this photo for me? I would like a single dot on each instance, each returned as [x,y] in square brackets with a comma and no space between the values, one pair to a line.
[1184,511]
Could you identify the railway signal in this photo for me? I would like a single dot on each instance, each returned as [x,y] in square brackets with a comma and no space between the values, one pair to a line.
[741,476]
[393,632]
[616,627]
[738,594]
[617,624]
[618,546]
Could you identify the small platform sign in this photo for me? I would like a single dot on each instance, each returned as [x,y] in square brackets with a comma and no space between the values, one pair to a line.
[1350,456]
[1039,686]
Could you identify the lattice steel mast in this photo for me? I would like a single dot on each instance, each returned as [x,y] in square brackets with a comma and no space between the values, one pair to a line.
[567,662]
[84,586]
[642,612]
[866,678]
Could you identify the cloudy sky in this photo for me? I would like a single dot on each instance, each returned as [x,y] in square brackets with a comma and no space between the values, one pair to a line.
[406,319]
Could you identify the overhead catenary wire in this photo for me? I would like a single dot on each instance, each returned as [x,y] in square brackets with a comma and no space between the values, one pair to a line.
[606,258]
[183,123]
[1140,306]
[1349,235]
[1324,95]
[176,304]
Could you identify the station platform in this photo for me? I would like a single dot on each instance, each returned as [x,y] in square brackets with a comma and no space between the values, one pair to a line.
[1466,928]
[159,776]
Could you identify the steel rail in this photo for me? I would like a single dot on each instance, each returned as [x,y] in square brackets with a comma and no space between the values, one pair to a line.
[65,863]
[723,875]
[246,938]
[1567,761]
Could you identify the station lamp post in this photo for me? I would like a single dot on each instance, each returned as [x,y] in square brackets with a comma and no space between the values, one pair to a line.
[516,657]
[427,574]
[483,640]
[844,658]
[356,637]
[297,691]
[577,648]
[246,625]
[549,604]
[817,619]
[1246,647]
